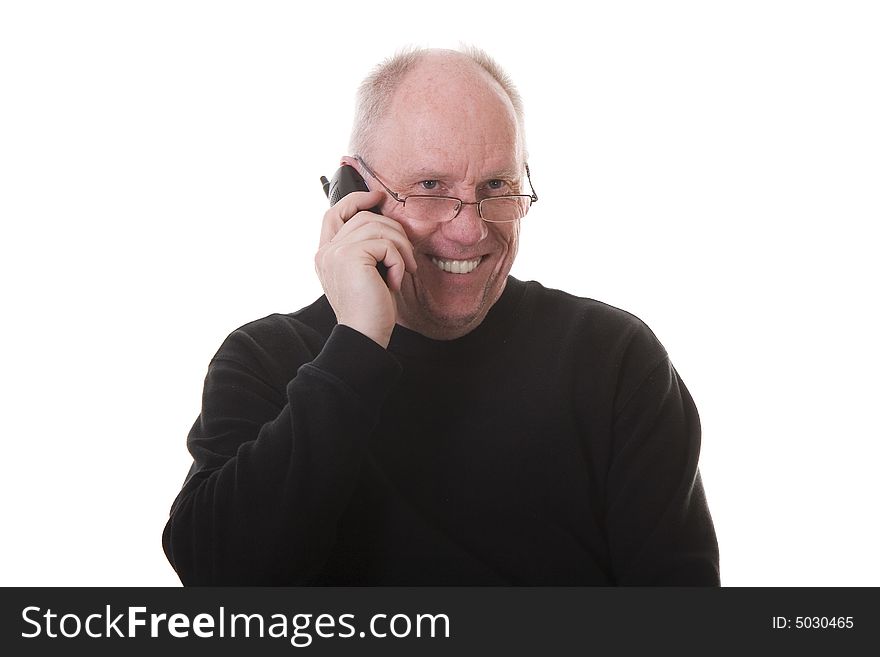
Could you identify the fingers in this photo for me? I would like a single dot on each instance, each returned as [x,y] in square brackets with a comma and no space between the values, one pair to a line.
[377,250]
[347,207]
[367,226]
[370,244]
[353,240]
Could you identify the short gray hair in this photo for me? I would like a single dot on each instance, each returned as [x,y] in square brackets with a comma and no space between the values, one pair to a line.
[376,91]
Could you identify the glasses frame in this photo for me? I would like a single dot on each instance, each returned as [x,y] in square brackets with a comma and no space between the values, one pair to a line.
[533,197]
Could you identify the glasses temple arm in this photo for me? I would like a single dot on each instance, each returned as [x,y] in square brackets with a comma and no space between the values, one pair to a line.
[534,196]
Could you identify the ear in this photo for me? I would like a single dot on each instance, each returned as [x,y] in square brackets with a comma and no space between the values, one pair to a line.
[350,161]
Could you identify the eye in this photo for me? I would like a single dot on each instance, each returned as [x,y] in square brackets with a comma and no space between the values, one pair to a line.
[429,184]
[496,187]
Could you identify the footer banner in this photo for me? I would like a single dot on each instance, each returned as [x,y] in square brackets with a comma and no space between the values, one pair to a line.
[436,621]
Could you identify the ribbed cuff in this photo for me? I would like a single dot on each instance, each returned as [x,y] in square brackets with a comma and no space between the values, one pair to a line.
[359,362]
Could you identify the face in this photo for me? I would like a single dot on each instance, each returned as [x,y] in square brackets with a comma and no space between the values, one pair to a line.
[451,132]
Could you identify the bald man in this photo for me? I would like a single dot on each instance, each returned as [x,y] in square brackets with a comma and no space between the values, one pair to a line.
[441,423]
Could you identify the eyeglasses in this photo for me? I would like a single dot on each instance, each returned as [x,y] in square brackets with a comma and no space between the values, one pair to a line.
[439,209]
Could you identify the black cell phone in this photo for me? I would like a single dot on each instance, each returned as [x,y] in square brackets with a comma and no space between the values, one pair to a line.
[345,181]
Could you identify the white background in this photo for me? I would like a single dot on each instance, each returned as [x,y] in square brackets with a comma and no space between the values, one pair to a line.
[711,167]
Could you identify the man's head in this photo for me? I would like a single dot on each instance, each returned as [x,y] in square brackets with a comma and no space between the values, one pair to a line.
[440,122]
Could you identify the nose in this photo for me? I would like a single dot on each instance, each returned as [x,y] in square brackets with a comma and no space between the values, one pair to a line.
[467,228]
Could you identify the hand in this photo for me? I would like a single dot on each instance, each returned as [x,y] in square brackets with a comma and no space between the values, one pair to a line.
[353,241]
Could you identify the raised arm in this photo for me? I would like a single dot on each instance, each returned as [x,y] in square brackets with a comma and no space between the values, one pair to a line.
[275,464]
[275,461]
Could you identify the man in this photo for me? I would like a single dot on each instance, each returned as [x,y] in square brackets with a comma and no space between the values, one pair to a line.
[443,423]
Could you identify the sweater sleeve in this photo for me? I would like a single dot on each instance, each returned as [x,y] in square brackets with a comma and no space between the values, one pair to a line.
[659,528]
[275,466]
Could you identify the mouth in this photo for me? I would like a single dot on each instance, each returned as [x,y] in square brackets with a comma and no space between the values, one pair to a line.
[456,266]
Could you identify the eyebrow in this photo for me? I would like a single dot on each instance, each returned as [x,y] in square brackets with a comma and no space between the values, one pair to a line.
[435,174]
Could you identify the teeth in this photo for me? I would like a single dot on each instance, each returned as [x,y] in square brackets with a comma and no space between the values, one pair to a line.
[457,266]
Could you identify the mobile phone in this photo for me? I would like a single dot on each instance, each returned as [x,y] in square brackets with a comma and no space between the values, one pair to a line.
[345,181]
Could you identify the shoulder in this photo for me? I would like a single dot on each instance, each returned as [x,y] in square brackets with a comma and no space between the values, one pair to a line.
[314,321]
[605,345]
[584,319]
[279,343]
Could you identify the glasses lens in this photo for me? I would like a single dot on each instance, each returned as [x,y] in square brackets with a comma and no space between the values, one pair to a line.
[505,208]
[430,208]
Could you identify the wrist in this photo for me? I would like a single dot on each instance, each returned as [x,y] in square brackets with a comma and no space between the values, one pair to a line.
[356,360]
[379,335]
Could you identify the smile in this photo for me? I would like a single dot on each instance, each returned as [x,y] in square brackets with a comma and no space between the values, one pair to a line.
[457,266]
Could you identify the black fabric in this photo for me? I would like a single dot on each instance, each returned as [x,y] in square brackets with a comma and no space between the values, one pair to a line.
[553,445]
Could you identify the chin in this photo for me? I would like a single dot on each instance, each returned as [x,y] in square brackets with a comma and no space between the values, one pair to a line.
[465,321]
[446,312]
[445,321]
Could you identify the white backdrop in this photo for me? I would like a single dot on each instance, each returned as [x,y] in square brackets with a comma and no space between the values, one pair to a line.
[709,166]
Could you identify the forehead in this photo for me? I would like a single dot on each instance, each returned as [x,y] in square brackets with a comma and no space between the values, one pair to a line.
[451,113]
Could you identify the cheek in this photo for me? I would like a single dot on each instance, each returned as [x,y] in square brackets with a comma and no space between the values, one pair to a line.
[509,235]
[416,232]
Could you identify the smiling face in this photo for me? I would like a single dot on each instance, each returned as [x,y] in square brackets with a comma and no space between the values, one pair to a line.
[450,130]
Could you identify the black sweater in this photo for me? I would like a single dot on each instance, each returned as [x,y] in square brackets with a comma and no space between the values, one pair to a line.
[553,445]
